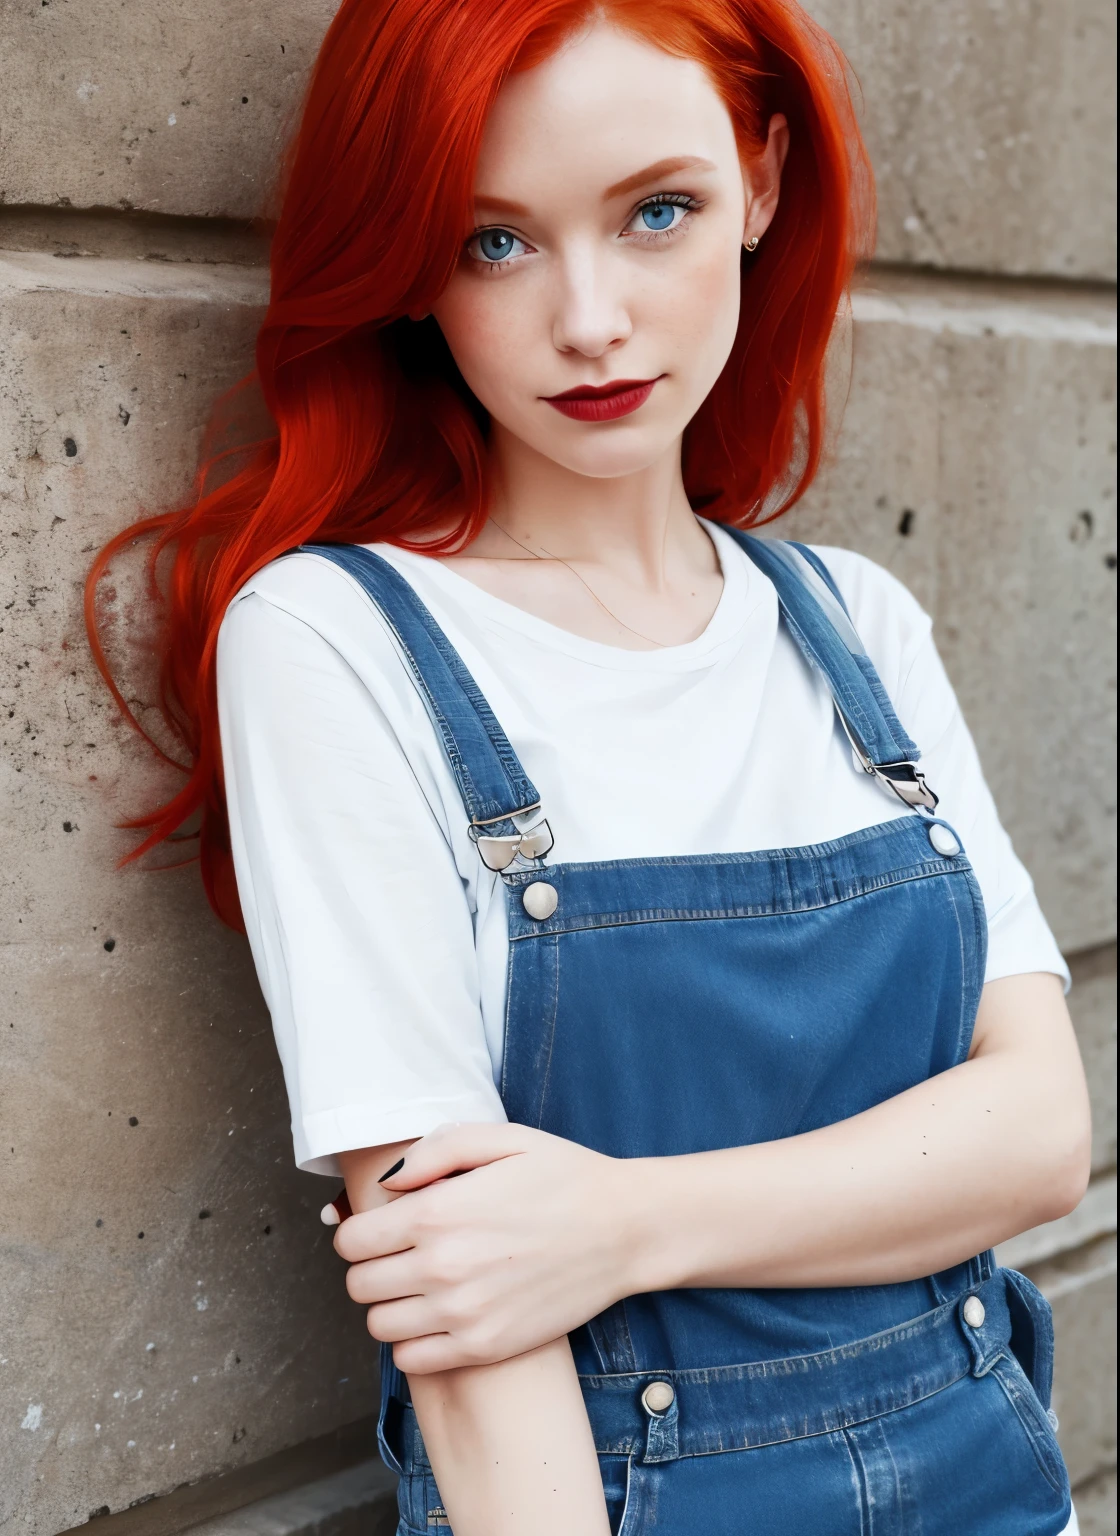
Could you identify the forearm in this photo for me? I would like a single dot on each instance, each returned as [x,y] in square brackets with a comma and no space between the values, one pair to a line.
[511,1447]
[510,1443]
[909,1187]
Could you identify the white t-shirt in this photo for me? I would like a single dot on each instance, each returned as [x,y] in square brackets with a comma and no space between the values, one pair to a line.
[380,938]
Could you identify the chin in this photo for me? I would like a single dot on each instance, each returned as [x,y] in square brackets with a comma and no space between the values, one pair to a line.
[607,450]
[610,460]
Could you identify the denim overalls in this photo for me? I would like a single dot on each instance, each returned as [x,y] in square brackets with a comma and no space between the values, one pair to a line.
[660,1006]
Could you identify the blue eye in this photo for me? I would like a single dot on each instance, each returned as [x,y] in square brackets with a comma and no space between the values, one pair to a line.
[493,245]
[658,215]
[662,214]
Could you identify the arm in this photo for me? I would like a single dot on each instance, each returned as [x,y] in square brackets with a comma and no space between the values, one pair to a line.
[357,919]
[924,1180]
[509,1443]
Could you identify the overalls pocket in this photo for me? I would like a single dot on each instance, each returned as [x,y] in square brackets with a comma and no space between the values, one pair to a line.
[1035,1421]
[1032,1333]
[1026,1372]
[418,1502]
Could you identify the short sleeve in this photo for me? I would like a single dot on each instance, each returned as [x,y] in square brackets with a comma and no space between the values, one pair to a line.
[899,638]
[355,912]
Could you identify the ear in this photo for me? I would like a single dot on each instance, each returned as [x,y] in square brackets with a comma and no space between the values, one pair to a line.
[762,179]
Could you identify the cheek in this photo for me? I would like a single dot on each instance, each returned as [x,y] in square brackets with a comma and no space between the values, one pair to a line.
[485,333]
[702,314]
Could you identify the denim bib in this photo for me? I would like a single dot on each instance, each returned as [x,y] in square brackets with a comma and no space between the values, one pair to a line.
[662,1006]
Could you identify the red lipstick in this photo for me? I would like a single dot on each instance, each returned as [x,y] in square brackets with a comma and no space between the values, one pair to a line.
[603,402]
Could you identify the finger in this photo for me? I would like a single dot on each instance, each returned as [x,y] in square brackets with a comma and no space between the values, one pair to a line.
[337,1210]
[456,1149]
[390,1322]
[427,1353]
[384,1279]
[374,1234]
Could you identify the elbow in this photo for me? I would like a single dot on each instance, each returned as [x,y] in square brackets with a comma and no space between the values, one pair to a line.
[1065,1176]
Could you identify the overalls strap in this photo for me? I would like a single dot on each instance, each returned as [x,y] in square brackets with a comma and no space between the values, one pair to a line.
[818,621]
[494,786]
[503,804]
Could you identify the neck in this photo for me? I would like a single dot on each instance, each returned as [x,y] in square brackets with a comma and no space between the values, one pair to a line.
[640,525]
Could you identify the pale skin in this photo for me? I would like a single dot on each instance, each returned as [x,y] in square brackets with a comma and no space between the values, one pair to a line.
[476,1281]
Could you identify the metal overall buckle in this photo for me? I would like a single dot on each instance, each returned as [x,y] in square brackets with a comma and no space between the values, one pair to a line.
[499,850]
[905,780]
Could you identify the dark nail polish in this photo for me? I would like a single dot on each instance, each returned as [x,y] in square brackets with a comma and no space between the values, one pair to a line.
[389,1172]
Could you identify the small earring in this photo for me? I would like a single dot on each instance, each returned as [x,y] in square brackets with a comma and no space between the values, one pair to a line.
[752,243]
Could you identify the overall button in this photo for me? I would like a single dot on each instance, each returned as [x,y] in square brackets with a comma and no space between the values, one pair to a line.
[658,1397]
[943,841]
[539,900]
[974,1313]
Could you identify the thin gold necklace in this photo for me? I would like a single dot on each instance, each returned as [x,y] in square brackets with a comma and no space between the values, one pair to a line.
[547,555]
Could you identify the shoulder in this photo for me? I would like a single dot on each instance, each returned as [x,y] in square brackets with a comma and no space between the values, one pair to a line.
[302,585]
[313,603]
[302,632]
[301,624]
[892,624]
[870,590]
[880,606]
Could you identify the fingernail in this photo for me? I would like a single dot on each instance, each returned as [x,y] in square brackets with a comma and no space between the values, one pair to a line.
[389,1172]
[328,1215]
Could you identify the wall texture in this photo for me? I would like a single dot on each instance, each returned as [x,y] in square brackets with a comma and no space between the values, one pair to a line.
[170,1308]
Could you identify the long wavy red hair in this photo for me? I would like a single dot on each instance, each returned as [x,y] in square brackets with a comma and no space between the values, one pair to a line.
[376,437]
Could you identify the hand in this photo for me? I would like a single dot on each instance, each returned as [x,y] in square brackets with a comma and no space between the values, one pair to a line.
[502,1238]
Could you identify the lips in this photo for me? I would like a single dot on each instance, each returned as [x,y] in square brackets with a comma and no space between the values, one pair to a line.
[603,402]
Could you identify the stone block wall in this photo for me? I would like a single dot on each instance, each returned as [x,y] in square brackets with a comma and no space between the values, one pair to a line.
[139,1092]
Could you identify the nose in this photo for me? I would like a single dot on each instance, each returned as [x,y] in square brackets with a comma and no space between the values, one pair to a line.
[591,315]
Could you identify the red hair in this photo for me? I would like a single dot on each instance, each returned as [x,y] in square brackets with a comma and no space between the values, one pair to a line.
[376,435]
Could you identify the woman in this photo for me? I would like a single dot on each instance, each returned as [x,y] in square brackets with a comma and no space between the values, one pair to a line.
[581,841]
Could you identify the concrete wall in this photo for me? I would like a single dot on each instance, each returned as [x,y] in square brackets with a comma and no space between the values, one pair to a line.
[138,1080]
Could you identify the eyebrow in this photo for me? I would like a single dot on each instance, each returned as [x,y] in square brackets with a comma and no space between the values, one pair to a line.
[501,205]
[655,172]
[642,178]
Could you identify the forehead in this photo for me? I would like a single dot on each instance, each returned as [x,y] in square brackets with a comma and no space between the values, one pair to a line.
[604,104]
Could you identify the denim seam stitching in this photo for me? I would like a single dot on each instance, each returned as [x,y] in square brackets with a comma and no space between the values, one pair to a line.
[1021,1406]
[553,1008]
[887,728]
[925,1324]
[838,686]
[687,915]
[860,1472]
[626,1507]
[508,896]
[816,1434]
[517,781]
[624,1318]
[961,1050]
